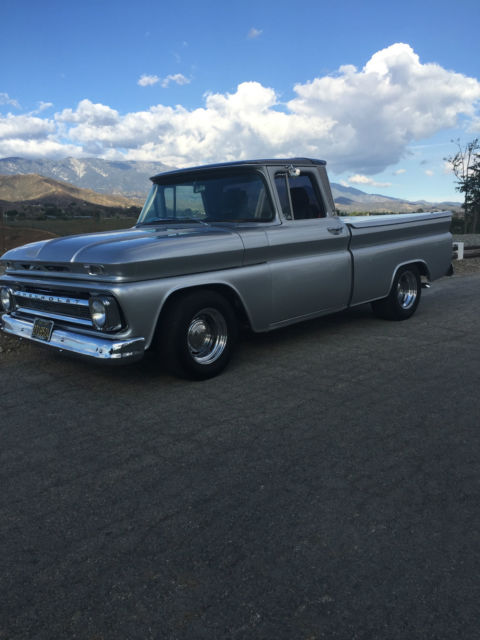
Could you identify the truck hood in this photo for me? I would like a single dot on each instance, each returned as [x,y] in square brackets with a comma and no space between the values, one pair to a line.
[133,254]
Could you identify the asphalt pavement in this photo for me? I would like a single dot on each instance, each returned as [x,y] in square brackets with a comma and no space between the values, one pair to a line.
[326,486]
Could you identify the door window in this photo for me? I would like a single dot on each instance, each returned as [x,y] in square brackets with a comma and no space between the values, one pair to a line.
[299,197]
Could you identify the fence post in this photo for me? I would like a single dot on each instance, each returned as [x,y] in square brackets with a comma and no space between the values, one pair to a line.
[459,247]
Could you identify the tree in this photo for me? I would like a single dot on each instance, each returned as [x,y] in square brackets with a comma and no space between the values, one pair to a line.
[472,190]
[466,167]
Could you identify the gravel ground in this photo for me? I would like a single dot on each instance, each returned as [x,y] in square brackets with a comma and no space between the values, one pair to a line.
[325,487]
[463,267]
[8,346]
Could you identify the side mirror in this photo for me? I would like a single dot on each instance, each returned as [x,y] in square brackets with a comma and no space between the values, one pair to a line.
[293,172]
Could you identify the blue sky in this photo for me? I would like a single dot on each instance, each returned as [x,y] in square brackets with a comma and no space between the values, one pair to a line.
[377,89]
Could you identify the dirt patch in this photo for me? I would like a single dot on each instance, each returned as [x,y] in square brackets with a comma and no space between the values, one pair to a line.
[464,267]
[10,346]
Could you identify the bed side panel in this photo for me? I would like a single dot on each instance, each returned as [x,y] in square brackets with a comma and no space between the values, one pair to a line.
[378,251]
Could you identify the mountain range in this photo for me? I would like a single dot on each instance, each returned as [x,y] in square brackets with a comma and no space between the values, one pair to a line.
[34,189]
[130,180]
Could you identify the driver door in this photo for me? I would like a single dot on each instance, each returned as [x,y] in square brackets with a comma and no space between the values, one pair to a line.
[308,253]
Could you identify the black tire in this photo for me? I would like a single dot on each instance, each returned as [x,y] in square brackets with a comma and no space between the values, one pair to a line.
[197,334]
[404,297]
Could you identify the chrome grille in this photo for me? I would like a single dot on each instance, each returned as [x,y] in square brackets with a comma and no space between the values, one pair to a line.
[61,306]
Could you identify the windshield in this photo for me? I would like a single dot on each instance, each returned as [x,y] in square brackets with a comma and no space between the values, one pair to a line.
[233,197]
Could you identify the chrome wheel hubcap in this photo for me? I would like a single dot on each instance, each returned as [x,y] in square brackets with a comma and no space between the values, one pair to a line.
[207,336]
[407,289]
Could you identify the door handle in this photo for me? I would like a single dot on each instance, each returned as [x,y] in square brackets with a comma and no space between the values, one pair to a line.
[335,230]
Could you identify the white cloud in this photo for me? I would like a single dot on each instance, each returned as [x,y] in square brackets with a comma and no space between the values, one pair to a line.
[89,113]
[5,99]
[360,179]
[475,126]
[392,101]
[447,168]
[38,148]
[361,121]
[399,172]
[429,172]
[254,33]
[24,127]
[29,136]
[176,78]
[42,106]
[147,81]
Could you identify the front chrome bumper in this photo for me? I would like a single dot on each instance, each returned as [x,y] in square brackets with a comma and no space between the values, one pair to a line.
[114,351]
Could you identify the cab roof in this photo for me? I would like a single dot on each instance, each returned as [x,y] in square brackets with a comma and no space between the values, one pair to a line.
[282,162]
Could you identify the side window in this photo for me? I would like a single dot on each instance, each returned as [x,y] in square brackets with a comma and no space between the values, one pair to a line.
[299,195]
[169,195]
[281,183]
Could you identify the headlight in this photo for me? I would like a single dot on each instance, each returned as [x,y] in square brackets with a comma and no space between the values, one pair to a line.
[6,299]
[105,313]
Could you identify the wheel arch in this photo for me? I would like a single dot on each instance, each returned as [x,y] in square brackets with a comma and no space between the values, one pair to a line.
[420,264]
[197,330]
[225,290]
[404,295]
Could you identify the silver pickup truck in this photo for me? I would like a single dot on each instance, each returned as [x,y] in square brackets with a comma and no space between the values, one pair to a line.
[253,243]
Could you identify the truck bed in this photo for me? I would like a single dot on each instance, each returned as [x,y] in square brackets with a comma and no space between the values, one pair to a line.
[379,244]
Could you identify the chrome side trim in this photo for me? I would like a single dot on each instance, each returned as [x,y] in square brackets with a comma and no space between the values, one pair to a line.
[114,351]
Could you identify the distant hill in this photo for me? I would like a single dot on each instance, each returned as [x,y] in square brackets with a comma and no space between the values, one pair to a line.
[33,189]
[131,180]
[341,201]
[349,199]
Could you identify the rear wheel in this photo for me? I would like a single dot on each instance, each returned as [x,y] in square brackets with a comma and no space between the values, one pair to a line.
[404,297]
[197,334]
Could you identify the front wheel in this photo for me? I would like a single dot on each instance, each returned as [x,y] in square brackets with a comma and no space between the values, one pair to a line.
[197,334]
[404,297]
